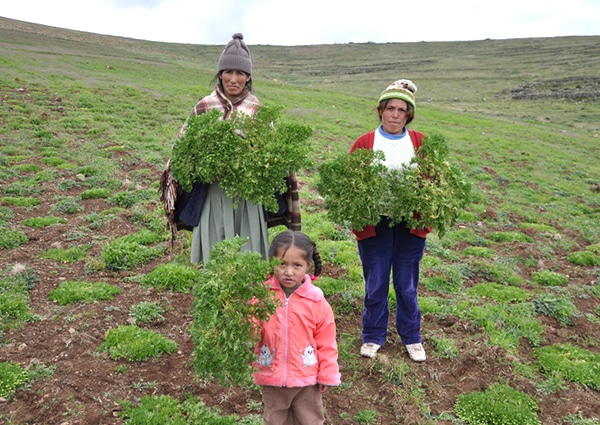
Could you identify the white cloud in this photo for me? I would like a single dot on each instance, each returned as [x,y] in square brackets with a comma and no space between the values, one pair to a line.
[279,22]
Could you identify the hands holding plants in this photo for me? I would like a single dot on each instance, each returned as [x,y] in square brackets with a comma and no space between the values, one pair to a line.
[249,157]
[430,192]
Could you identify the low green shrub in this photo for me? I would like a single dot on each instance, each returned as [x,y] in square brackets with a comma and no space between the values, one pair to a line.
[70,292]
[509,237]
[68,184]
[479,251]
[584,258]
[28,188]
[100,192]
[67,205]
[143,237]
[573,363]
[27,168]
[135,344]
[123,199]
[65,255]
[146,312]
[40,222]
[10,239]
[579,419]
[166,410]
[549,278]
[446,348]
[558,306]
[501,293]
[25,202]
[120,254]
[506,324]
[173,277]
[367,417]
[448,278]
[543,228]
[53,161]
[497,405]
[500,270]
[14,299]
[12,376]
[595,287]
[5,215]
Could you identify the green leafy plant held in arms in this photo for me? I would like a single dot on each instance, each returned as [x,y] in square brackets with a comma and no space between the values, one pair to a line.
[228,299]
[249,157]
[430,192]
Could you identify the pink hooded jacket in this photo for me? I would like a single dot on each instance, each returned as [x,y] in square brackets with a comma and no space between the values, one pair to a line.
[298,346]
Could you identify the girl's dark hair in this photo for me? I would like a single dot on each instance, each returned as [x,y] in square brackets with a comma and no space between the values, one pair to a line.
[217,80]
[410,110]
[289,238]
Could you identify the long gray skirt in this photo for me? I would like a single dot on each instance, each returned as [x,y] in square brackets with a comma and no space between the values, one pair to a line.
[220,221]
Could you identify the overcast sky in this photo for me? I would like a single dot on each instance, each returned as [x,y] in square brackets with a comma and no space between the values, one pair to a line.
[281,22]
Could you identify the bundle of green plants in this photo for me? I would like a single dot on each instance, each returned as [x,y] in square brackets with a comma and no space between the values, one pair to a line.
[249,157]
[229,298]
[428,192]
[498,405]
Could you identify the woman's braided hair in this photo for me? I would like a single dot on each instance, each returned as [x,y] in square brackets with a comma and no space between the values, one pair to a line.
[285,240]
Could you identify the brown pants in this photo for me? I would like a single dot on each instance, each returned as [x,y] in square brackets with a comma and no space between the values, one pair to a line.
[292,406]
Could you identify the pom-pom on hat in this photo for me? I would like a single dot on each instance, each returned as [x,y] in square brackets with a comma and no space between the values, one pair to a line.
[236,56]
[400,89]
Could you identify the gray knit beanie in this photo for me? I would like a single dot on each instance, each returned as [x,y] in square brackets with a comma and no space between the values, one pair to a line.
[236,56]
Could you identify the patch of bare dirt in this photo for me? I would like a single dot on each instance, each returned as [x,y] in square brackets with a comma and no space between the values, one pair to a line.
[89,388]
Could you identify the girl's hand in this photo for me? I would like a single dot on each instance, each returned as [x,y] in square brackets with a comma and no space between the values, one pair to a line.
[323,388]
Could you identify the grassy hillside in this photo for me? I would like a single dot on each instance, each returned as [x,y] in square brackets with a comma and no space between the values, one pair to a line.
[510,296]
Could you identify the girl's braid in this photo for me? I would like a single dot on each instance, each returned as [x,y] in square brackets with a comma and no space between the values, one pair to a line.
[317,260]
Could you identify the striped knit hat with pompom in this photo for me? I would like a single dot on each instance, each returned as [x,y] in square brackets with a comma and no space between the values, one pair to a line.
[400,89]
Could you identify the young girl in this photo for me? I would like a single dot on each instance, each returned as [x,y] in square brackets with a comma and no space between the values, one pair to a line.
[297,354]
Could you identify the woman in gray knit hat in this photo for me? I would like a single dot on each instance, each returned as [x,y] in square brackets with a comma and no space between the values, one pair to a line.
[207,210]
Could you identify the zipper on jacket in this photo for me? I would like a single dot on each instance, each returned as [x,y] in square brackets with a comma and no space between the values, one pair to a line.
[285,341]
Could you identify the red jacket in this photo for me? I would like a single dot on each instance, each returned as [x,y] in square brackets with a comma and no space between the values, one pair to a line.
[366,142]
[298,346]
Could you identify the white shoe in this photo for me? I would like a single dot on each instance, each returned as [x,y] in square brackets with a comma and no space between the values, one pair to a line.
[369,349]
[416,352]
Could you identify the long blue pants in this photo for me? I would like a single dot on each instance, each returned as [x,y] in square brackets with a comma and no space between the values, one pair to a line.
[396,250]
